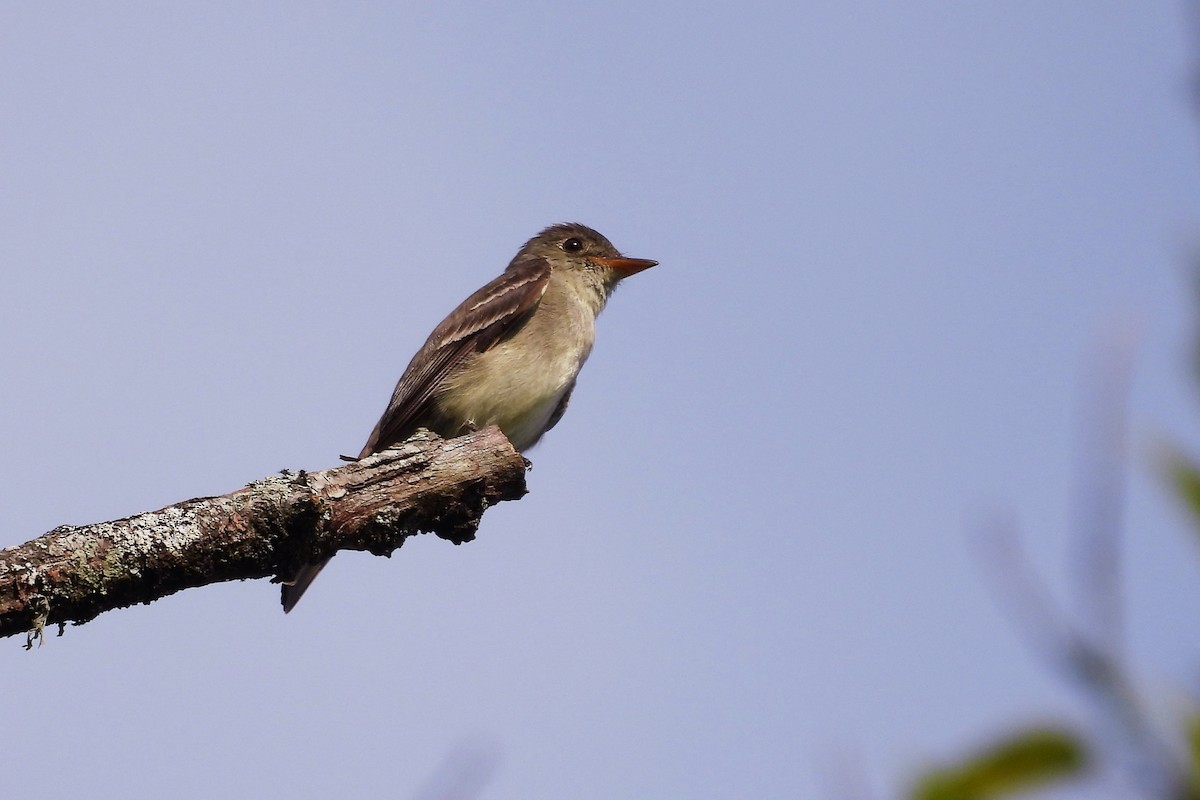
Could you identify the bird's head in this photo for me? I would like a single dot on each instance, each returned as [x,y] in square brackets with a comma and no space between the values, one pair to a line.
[578,249]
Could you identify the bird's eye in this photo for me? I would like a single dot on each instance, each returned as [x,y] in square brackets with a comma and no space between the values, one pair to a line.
[572,245]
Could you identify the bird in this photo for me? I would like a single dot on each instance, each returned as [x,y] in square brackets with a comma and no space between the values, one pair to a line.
[509,355]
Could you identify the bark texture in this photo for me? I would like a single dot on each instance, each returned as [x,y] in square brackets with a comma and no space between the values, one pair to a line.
[268,529]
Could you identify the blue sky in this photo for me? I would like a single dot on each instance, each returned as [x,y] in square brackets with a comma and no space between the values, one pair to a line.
[890,238]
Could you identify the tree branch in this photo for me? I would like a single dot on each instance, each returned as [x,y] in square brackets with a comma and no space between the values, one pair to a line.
[270,528]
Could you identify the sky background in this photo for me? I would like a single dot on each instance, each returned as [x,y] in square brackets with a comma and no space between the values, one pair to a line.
[892,237]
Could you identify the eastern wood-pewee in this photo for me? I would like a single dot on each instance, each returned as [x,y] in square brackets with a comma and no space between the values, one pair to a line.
[509,354]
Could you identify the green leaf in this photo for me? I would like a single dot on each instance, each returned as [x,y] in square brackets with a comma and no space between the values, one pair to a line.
[1192,733]
[1186,478]
[1025,761]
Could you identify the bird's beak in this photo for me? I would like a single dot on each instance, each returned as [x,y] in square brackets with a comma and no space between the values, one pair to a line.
[625,266]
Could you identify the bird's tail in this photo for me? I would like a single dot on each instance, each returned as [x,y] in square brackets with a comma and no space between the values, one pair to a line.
[294,589]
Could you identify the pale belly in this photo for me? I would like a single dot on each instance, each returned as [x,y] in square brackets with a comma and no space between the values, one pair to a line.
[516,386]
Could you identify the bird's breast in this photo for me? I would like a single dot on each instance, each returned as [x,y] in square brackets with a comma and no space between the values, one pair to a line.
[519,383]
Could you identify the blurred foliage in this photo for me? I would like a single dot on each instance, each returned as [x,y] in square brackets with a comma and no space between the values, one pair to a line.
[1025,761]
[1193,752]
[1038,757]
[1157,764]
[1186,479]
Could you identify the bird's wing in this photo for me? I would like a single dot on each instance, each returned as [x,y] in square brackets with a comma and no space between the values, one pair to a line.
[482,320]
[561,408]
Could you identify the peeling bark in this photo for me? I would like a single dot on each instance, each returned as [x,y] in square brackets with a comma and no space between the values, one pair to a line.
[268,529]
